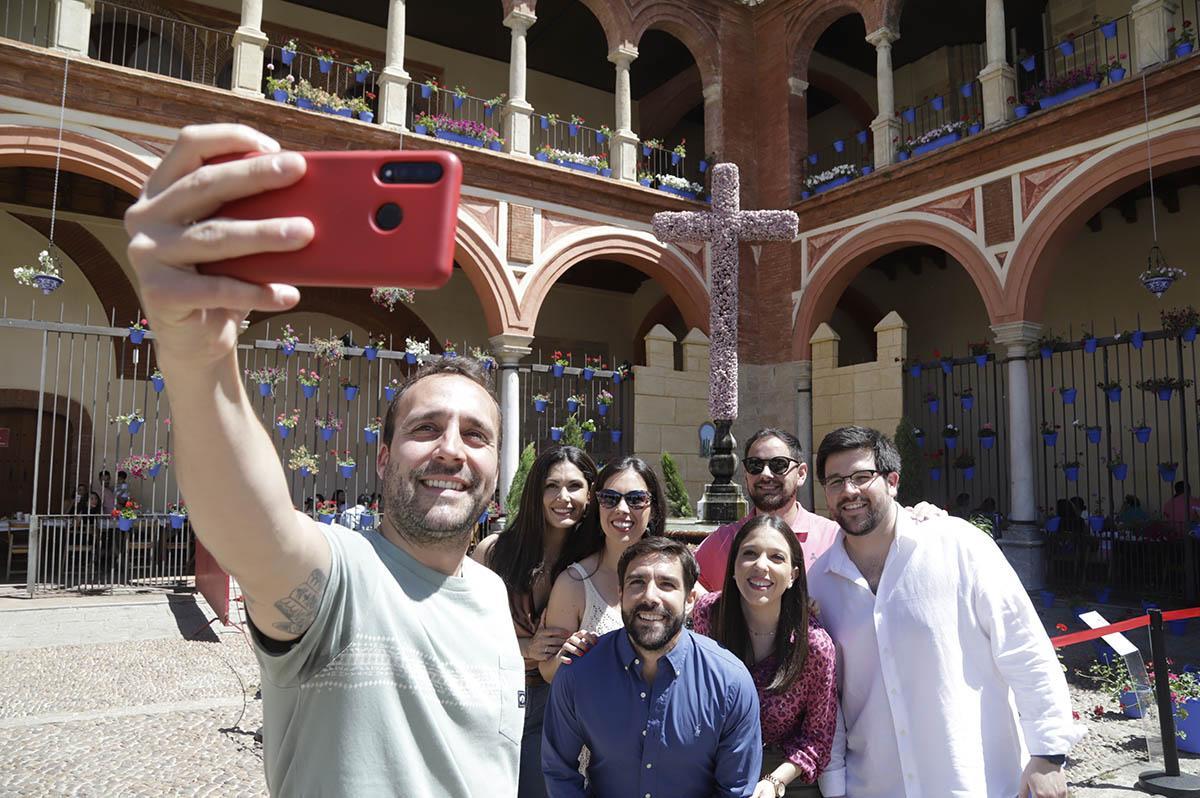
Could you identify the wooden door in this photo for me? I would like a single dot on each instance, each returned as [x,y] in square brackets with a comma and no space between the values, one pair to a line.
[18,441]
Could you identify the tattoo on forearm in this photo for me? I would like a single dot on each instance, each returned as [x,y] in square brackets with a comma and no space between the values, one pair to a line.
[300,607]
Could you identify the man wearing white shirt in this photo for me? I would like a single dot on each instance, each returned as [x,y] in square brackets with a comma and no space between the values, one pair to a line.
[948,680]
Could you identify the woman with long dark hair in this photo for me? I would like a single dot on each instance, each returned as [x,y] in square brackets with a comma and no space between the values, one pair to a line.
[762,616]
[628,503]
[553,505]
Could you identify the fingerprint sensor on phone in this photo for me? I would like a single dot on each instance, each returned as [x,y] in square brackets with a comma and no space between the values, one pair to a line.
[389,216]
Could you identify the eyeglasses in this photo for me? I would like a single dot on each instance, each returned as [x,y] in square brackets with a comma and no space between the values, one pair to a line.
[779,465]
[636,499]
[859,479]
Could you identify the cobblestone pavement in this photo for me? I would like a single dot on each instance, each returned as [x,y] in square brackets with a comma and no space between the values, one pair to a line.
[157,715]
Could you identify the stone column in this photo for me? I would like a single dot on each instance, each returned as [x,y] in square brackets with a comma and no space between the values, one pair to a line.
[886,126]
[517,122]
[1022,542]
[623,147]
[393,80]
[714,127]
[798,134]
[804,429]
[71,26]
[1150,20]
[997,78]
[509,349]
[248,44]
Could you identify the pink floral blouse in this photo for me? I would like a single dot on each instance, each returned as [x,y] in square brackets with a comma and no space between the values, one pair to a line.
[800,721]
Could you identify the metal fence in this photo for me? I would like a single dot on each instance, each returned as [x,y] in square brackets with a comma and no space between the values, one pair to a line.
[154,43]
[27,20]
[819,169]
[1091,49]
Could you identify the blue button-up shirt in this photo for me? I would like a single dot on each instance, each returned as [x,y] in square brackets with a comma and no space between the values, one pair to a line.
[694,732]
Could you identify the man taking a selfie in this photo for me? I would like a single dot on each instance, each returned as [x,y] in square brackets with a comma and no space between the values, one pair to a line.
[389,664]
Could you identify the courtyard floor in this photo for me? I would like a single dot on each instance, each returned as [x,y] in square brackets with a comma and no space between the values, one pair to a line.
[139,696]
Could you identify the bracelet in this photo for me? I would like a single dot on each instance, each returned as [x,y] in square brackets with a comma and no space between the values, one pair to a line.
[1053,759]
[779,786]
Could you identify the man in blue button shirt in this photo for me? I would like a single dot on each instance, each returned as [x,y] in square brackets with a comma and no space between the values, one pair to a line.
[664,712]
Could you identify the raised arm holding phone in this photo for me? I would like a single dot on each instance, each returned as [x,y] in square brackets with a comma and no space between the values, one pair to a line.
[388,660]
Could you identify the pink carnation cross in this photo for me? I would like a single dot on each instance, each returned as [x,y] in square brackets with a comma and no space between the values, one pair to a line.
[724,227]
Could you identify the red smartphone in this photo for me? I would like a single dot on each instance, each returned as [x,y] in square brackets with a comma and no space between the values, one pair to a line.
[382,218]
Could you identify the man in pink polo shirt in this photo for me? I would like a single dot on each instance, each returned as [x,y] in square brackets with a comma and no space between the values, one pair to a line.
[775,471]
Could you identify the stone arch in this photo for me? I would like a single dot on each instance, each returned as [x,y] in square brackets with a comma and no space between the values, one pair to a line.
[476,253]
[72,412]
[354,303]
[694,32]
[1063,211]
[837,269]
[637,250]
[617,30]
[811,20]
[29,145]
[858,106]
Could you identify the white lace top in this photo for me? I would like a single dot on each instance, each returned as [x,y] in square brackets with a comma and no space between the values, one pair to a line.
[598,616]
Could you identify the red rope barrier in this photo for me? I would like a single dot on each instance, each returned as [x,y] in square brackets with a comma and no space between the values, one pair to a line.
[1122,626]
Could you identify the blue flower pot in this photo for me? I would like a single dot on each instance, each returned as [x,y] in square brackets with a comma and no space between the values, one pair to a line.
[901,155]
[347,471]
[969,472]
[360,77]
[426,92]
[914,370]
[1069,94]
[279,95]
[1072,473]
[1189,726]
[974,128]
[572,406]
[1166,474]
[1096,522]
[264,389]
[951,442]
[1093,434]
[1053,523]
[327,433]
[421,130]
[606,172]
[410,358]
[909,115]
[601,138]
[539,405]
[1047,352]
[124,524]
[587,436]
[615,435]
[937,143]
[350,391]
[831,184]
[325,66]
[1103,594]
[287,57]
[370,435]
[1067,48]
[366,116]
[136,336]
[967,89]
[588,373]
[1119,472]
[1048,599]
[981,360]
[1089,345]
[370,352]
[645,151]
[1068,395]
[556,370]
[1164,394]
[1029,63]
[177,520]
[1183,49]
[1189,335]
[675,159]
[155,469]
[1050,438]
[134,426]
[389,393]
[305,472]
[1109,29]
[1114,394]
[920,440]
[1021,111]
[1142,434]
[1138,339]
[367,520]
[556,433]
[288,349]
[304,103]
[935,473]
[309,391]
[157,382]
[602,409]
[938,103]
[325,518]
[861,137]
[866,170]
[968,402]
[458,102]
[812,158]
[987,441]
[616,378]
[933,405]
[1116,75]
[470,141]
[839,145]
[947,367]
[283,430]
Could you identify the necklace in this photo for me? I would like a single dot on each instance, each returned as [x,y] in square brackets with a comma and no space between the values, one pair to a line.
[763,634]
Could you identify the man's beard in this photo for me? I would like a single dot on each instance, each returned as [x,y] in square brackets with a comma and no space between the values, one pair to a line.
[650,639]
[432,525]
[870,520]
[766,503]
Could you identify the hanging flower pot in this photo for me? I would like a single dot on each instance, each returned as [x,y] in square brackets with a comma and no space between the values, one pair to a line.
[1067,48]
[861,136]
[1109,29]
[347,471]
[1052,525]
[309,391]
[703,166]
[177,520]
[981,360]
[600,139]
[287,57]
[556,433]
[615,435]
[812,158]
[1166,472]
[325,64]
[920,439]
[587,436]
[370,352]
[325,518]
[1119,471]
[1072,473]
[1138,339]
[136,336]
[410,358]
[572,405]
[426,91]
[1114,394]
[968,402]
[264,389]
[935,473]
[305,472]
[839,145]
[1029,63]
[327,433]
[124,524]
[556,370]
[573,130]
[154,470]
[1157,285]
[1050,438]
[1164,394]
[909,115]
[157,382]
[947,366]
[389,393]
[370,435]
[135,425]
[350,392]
[933,405]
[1089,344]
[969,472]
[367,520]
[987,441]
[1047,352]
[1093,434]
[283,430]
[1189,335]
[588,373]
[939,103]
[967,89]
[47,282]
[951,441]
[458,102]
[1142,434]
[1068,395]
[914,370]
[616,378]
[1096,522]
[539,405]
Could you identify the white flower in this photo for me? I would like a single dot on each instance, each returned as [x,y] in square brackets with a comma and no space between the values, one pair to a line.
[415,347]
[833,173]
[679,183]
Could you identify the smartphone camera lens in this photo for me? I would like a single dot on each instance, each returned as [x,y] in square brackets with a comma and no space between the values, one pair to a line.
[409,172]
[389,173]
[389,216]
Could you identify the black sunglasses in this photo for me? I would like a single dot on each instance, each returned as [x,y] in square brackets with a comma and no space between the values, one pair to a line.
[779,465]
[636,499]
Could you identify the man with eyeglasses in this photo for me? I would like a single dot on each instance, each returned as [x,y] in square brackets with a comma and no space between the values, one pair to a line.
[948,681]
[775,470]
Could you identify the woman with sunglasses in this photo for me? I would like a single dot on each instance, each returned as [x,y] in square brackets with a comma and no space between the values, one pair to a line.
[762,616]
[553,504]
[629,504]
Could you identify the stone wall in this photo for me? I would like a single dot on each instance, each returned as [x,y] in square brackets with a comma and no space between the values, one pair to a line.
[867,394]
[669,406]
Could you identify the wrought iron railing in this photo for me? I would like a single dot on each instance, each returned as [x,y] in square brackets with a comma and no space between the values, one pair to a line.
[821,168]
[436,101]
[154,43]
[1096,48]
[27,21]
[956,110]
[340,79]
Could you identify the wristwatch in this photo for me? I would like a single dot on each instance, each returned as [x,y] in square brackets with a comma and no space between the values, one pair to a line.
[1053,759]
[780,787]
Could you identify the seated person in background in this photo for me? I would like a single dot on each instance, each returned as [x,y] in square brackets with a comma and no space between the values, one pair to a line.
[1180,511]
[1132,512]
[121,493]
[77,503]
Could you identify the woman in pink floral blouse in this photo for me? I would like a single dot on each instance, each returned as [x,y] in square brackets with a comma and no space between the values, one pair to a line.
[762,616]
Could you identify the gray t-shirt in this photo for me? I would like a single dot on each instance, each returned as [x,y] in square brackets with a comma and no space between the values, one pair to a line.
[408,683]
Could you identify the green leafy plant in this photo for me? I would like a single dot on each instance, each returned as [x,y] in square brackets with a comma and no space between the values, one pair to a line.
[911,467]
[572,434]
[512,502]
[679,504]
